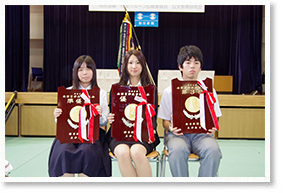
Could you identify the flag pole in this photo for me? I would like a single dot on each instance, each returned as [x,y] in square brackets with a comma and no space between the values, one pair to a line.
[140,48]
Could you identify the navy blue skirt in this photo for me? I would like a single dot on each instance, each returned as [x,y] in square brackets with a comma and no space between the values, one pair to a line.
[91,159]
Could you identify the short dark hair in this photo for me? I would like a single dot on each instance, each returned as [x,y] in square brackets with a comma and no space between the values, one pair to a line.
[187,52]
[145,80]
[89,64]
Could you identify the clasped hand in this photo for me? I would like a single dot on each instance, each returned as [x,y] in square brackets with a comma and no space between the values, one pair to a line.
[177,131]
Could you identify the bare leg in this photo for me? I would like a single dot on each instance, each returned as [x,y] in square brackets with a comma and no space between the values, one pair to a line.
[68,175]
[122,152]
[142,165]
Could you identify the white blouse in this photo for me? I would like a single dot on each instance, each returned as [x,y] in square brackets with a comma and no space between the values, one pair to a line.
[138,84]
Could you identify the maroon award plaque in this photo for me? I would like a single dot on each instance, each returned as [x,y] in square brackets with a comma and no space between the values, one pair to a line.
[124,105]
[187,106]
[72,101]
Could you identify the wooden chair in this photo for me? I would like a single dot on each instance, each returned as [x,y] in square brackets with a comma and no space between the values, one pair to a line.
[165,155]
[154,156]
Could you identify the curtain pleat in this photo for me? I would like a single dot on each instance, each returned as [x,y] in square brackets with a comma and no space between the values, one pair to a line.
[229,37]
[16,47]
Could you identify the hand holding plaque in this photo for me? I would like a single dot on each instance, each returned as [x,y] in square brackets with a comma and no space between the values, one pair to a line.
[134,110]
[79,120]
[192,104]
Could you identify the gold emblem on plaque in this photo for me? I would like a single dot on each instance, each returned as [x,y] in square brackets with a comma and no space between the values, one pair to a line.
[192,104]
[74,114]
[130,111]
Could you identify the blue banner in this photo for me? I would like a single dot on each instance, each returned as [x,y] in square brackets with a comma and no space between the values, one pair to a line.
[146,19]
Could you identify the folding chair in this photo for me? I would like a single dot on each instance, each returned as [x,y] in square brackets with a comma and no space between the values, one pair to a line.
[165,155]
[36,76]
[153,156]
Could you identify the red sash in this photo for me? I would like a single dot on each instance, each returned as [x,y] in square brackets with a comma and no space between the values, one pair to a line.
[150,112]
[82,122]
[210,100]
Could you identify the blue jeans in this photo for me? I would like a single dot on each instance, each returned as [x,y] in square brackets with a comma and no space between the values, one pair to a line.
[205,146]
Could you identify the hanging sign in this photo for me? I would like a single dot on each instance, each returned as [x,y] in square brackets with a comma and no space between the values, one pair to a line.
[146,19]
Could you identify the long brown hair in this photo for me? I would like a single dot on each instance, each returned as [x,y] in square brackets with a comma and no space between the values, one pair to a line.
[89,64]
[145,80]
